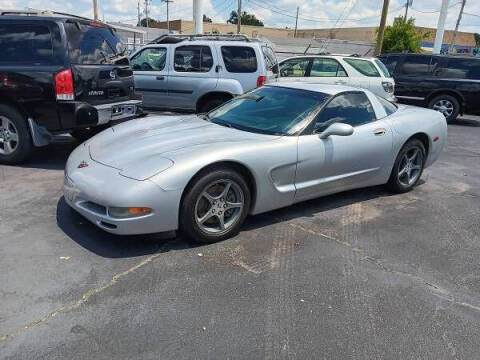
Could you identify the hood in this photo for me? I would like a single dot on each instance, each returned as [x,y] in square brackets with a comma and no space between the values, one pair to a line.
[134,147]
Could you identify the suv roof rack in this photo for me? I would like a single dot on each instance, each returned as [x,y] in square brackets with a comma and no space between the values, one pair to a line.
[36,12]
[176,38]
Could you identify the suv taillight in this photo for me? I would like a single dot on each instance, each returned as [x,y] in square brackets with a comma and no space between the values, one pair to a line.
[64,85]
[388,87]
[261,80]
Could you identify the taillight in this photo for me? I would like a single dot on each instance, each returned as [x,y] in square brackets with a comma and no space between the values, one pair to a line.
[64,85]
[261,80]
[388,87]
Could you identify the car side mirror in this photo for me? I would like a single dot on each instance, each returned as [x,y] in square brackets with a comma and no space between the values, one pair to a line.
[339,129]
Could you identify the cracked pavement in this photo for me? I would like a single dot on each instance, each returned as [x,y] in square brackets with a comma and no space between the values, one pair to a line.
[362,275]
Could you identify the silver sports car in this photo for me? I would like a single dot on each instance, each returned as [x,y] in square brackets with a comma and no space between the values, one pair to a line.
[270,148]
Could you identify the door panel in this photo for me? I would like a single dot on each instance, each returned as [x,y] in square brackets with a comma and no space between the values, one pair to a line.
[339,163]
[151,76]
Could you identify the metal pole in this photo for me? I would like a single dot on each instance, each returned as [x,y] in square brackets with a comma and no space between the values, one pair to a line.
[95,10]
[406,10]
[146,12]
[296,23]
[440,27]
[239,17]
[138,13]
[381,29]
[198,16]
[456,26]
[168,17]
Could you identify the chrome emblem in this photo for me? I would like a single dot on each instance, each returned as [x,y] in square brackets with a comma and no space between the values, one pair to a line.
[113,76]
[83,164]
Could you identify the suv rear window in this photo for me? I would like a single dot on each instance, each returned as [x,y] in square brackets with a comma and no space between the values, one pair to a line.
[193,58]
[364,67]
[239,59]
[92,44]
[25,43]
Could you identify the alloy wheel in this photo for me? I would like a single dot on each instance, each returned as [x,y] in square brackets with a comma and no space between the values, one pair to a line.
[410,167]
[444,106]
[219,206]
[8,136]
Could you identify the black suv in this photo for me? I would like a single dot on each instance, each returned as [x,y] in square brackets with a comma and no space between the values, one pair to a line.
[450,84]
[59,73]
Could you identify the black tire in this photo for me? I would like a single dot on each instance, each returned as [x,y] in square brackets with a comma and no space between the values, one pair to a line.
[188,223]
[396,183]
[211,104]
[448,99]
[21,149]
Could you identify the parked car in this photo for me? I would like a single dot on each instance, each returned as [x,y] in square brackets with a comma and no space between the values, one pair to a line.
[58,73]
[272,147]
[366,73]
[199,73]
[449,84]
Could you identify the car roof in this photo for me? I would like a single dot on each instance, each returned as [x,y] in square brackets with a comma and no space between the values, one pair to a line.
[322,88]
[335,56]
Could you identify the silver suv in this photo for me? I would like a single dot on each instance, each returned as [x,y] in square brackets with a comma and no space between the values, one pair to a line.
[200,72]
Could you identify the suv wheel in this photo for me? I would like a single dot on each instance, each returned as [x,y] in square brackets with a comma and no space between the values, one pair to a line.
[447,105]
[15,140]
[408,167]
[215,206]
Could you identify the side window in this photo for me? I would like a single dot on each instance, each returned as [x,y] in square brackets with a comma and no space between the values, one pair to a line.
[351,108]
[193,58]
[294,67]
[390,62]
[25,43]
[389,107]
[416,65]
[150,59]
[323,67]
[461,69]
[239,59]
[364,67]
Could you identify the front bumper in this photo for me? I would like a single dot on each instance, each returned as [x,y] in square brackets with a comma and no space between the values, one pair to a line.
[93,189]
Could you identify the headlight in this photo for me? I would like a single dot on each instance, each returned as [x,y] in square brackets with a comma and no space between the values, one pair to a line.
[388,86]
[128,212]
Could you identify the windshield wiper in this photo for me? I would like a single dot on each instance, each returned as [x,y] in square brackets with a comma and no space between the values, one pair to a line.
[205,117]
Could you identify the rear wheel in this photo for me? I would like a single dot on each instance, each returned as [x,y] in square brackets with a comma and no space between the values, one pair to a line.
[215,206]
[408,167]
[15,140]
[447,105]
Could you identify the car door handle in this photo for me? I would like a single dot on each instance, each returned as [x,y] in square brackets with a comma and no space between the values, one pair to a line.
[160,77]
[379,132]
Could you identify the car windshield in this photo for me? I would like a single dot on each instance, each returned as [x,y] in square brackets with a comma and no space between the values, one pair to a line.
[269,110]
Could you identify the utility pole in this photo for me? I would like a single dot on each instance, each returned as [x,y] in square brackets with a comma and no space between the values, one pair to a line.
[95,10]
[409,3]
[296,23]
[168,19]
[239,16]
[146,12]
[381,29]
[138,13]
[437,47]
[456,26]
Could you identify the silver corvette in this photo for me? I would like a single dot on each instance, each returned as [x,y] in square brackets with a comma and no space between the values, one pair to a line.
[270,148]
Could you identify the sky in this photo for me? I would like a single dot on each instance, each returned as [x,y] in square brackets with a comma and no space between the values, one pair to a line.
[274,13]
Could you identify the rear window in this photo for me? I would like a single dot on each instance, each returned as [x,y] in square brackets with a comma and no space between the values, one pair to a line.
[364,67]
[461,69]
[239,59]
[24,43]
[193,58]
[89,44]
[271,62]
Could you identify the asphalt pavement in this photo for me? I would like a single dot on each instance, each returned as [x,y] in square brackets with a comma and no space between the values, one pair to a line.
[359,275]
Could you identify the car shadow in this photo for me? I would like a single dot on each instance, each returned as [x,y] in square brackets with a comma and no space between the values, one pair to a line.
[465,122]
[53,156]
[109,245]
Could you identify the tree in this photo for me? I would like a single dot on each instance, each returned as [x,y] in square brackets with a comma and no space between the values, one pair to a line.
[402,36]
[151,22]
[247,19]
[477,39]
[206,19]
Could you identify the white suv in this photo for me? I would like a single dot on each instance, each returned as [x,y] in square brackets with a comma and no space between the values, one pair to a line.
[200,72]
[367,73]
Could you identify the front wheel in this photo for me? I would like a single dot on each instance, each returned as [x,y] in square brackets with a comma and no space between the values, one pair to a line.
[447,105]
[215,206]
[408,167]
